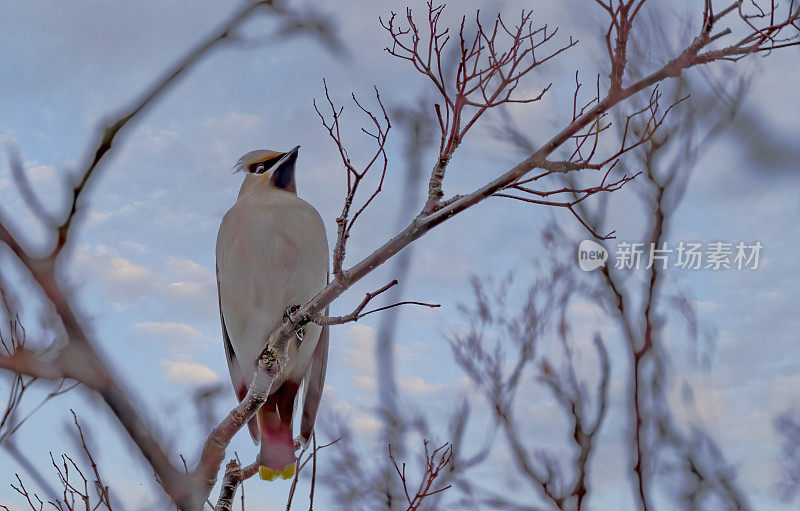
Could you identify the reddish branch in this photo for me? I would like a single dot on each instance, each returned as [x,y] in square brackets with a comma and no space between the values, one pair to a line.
[357,312]
[10,422]
[76,493]
[79,360]
[303,460]
[642,342]
[572,396]
[433,465]
[647,120]
[380,132]
[578,195]
[486,76]
[235,475]
[488,70]
[499,377]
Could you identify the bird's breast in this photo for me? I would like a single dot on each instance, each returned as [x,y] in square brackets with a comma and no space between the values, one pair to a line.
[269,256]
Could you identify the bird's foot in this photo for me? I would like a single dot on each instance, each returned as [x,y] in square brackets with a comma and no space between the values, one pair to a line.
[287,316]
[288,311]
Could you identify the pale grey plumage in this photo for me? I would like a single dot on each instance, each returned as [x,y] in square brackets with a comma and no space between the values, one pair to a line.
[272,253]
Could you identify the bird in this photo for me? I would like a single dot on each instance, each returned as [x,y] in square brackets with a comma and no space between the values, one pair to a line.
[272,257]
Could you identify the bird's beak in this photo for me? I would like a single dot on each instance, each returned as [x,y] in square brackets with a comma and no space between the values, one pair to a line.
[283,175]
[289,155]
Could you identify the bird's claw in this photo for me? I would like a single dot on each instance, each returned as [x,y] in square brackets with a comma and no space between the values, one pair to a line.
[288,311]
[287,316]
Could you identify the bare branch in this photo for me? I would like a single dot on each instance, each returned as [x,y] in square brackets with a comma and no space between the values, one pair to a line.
[354,177]
[486,76]
[303,460]
[109,133]
[79,360]
[24,186]
[434,463]
[274,355]
[234,476]
[357,314]
[75,492]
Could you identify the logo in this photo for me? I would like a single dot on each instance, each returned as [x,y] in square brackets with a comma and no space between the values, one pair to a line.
[591,255]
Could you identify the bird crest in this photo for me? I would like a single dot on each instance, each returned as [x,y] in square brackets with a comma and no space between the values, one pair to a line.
[250,161]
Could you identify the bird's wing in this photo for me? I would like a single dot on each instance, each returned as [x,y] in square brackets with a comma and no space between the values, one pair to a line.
[314,382]
[239,383]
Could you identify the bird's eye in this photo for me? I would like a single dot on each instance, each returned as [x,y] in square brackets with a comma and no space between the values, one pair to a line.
[260,168]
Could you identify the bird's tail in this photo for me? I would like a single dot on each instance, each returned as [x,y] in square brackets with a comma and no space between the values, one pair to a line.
[275,426]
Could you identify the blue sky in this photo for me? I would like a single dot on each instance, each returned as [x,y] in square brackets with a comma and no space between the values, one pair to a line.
[143,261]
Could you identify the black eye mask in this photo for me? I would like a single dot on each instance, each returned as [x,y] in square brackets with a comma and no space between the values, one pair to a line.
[257,168]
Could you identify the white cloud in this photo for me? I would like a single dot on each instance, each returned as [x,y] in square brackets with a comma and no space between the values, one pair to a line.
[360,354]
[37,175]
[117,274]
[586,308]
[169,331]
[416,385]
[192,283]
[199,295]
[185,269]
[184,289]
[126,271]
[357,354]
[96,217]
[41,173]
[366,423]
[188,371]
[182,282]
[705,306]
[363,422]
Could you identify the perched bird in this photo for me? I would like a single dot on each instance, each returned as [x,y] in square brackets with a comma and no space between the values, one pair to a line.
[272,254]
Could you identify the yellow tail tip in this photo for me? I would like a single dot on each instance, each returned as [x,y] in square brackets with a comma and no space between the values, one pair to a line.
[269,474]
